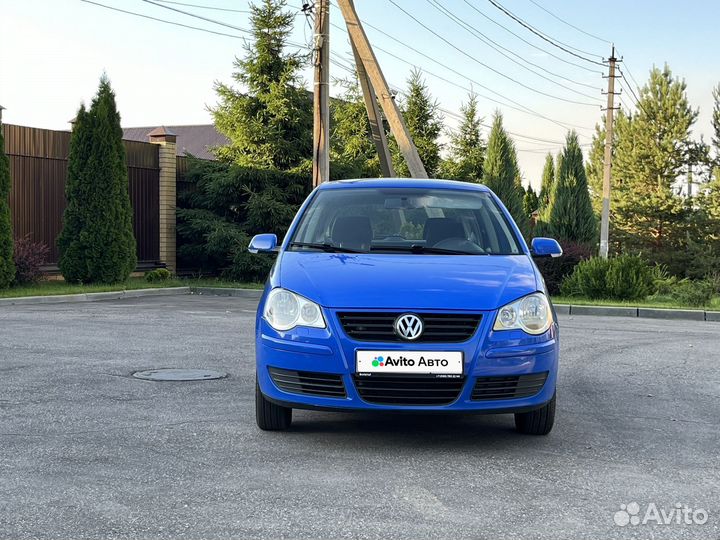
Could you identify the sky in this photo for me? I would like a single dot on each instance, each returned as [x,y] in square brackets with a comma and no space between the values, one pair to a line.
[53,52]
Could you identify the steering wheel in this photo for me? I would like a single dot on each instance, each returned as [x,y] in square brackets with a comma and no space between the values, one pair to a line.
[459,244]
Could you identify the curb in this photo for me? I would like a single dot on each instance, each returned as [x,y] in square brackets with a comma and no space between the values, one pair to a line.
[227,291]
[639,312]
[93,297]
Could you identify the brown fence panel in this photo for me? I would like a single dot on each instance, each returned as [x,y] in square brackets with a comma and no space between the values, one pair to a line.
[38,165]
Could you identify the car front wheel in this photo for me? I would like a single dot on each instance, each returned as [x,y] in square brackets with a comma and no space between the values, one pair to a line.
[270,416]
[537,422]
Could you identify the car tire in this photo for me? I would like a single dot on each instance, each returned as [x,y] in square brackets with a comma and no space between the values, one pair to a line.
[268,415]
[537,422]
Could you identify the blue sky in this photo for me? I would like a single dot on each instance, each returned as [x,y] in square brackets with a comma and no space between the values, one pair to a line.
[52,53]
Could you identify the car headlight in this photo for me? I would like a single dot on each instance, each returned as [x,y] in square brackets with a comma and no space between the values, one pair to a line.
[531,313]
[285,310]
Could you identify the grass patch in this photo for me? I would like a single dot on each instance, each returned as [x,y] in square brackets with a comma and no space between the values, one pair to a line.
[659,302]
[54,288]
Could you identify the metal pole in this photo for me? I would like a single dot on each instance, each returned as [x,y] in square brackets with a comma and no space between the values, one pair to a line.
[321,102]
[605,219]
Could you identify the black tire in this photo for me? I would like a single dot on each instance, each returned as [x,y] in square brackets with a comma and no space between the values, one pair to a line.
[537,422]
[270,416]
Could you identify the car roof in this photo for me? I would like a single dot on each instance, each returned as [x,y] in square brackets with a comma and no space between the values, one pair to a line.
[422,183]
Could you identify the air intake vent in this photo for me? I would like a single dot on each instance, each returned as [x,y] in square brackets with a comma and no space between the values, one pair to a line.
[517,386]
[308,383]
[437,327]
[406,390]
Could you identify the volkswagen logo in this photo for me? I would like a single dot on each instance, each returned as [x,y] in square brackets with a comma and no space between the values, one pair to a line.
[409,326]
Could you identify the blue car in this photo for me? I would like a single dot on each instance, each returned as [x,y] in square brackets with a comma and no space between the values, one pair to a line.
[406,295]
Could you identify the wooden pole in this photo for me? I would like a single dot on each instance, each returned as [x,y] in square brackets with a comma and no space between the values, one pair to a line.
[607,165]
[380,86]
[321,102]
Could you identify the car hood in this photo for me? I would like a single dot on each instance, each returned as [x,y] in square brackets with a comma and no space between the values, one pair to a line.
[407,281]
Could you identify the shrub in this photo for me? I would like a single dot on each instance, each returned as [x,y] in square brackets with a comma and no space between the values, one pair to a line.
[157,275]
[555,269]
[692,293]
[7,269]
[29,257]
[627,277]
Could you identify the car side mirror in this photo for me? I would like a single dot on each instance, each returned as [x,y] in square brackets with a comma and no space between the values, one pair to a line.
[545,247]
[263,243]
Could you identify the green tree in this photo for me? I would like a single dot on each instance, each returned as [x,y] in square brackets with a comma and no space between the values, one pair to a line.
[651,152]
[595,166]
[467,148]
[425,122]
[531,201]
[97,244]
[569,214]
[548,178]
[716,124]
[268,118]
[352,151]
[501,172]
[7,268]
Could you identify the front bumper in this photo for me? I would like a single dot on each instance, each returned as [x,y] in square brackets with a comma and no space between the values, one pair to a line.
[329,351]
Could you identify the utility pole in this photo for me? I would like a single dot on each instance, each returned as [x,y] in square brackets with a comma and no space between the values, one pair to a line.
[373,111]
[607,166]
[377,80]
[321,90]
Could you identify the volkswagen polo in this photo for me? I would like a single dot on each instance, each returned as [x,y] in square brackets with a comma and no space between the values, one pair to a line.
[406,295]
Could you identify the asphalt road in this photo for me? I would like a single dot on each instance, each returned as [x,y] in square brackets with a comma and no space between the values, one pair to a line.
[86,451]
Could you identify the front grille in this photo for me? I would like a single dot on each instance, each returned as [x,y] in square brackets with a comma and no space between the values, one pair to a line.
[408,390]
[516,386]
[438,327]
[308,383]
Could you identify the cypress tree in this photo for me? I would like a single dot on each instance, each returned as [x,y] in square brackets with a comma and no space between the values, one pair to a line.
[7,268]
[531,201]
[97,244]
[467,148]
[569,214]
[501,172]
[548,178]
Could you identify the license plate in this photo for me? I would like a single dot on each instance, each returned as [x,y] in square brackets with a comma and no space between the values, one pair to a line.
[409,362]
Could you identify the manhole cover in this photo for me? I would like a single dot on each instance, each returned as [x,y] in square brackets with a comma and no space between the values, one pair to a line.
[177,374]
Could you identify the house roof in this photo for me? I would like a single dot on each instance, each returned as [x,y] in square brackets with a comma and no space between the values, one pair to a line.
[197,140]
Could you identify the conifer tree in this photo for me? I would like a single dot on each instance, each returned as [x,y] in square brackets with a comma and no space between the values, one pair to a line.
[97,244]
[467,148]
[501,173]
[424,121]
[7,268]
[268,116]
[548,178]
[530,201]
[569,215]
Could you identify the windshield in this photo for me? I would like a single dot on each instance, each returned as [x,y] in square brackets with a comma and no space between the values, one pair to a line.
[401,220]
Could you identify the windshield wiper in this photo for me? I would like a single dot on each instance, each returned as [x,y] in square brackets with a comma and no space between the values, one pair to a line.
[417,248]
[328,248]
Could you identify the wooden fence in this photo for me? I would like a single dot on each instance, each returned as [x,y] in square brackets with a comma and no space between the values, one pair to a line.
[38,166]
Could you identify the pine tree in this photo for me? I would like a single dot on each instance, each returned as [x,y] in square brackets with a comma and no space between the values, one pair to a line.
[501,172]
[352,151]
[595,166]
[424,121]
[467,148]
[548,178]
[716,124]
[268,119]
[569,214]
[7,268]
[97,244]
[646,215]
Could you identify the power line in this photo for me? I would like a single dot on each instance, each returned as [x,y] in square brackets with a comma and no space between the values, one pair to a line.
[162,20]
[496,46]
[569,24]
[195,15]
[230,10]
[530,43]
[464,53]
[554,42]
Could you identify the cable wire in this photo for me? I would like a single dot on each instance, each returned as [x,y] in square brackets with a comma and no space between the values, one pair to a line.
[230,10]
[569,24]
[554,42]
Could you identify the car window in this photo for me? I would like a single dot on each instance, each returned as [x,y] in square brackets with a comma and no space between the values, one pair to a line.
[419,221]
